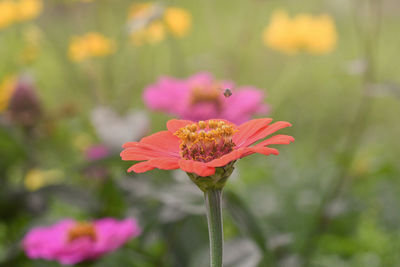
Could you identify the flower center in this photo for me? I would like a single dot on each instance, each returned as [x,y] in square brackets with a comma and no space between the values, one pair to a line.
[206,140]
[206,95]
[82,229]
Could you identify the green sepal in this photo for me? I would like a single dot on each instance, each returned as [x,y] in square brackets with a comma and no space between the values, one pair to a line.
[215,181]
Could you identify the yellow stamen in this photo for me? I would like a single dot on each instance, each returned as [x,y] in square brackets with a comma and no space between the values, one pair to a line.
[205,141]
[193,127]
[202,125]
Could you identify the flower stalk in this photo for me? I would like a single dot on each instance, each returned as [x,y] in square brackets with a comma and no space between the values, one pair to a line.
[212,187]
[213,201]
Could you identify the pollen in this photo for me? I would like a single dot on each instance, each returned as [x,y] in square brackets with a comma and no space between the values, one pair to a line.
[82,229]
[206,140]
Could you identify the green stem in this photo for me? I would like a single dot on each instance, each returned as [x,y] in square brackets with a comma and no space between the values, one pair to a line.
[213,199]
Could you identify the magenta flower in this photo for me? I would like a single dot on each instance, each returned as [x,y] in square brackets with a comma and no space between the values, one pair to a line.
[201,97]
[70,242]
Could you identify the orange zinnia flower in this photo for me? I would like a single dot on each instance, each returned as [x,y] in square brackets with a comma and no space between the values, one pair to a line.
[199,148]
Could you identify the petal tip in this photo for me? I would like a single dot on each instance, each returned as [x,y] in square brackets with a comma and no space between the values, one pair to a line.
[130,169]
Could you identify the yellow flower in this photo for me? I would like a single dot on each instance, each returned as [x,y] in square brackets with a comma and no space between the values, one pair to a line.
[314,34]
[37,178]
[8,13]
[324,36]
[152,34]
[148,22]
[28,9]
[90,45]
[6,90]
[279,34]
[178,21]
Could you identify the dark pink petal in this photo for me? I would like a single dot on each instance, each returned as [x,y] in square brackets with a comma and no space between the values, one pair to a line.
[243,104]
[112,233]
[167,94]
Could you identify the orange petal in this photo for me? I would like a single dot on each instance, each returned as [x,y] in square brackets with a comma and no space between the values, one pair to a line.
[264,132]
[174,124]
[280,139]
[159,163]
[141,167]
[248,129]
[129,144]
[163,140]
[234,155]
[264,150]
[140,151]
[197,167]
[240,153]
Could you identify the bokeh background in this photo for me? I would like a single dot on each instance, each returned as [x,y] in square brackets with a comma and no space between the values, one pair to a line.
[66,105]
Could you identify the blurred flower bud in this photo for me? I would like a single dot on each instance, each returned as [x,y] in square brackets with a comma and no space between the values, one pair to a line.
[97,152]
[24,108]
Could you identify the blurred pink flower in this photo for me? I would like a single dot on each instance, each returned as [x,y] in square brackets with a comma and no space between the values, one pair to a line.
[200,97]
[97,170]
[70,242]
[97,152]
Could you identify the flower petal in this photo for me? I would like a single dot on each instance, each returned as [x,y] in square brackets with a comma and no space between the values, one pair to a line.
[174,124]
[197,167]
[139,151]
[264,132]
[164,140]
[162,144]
[243,103]
[159,163]
[234,155]
[240,153]
[280,139]
[264,150]
[248,129]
